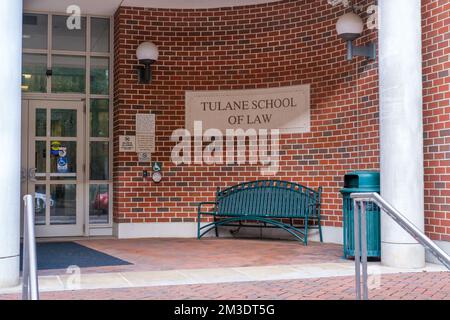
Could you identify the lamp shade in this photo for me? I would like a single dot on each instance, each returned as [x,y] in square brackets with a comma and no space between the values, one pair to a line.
[350,26]
[147,51]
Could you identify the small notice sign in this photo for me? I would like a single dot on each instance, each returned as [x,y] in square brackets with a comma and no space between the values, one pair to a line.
[145,123]
[127,143]
[145,143]
[144,157]
[145,133]
[157,166]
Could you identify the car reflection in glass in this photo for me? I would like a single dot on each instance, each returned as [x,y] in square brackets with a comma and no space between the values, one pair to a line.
[101,202]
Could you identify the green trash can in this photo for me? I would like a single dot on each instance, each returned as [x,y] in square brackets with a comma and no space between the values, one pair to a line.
[361,181]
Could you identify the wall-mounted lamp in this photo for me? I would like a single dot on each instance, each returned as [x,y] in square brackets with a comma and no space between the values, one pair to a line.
[350,27]
[147,54]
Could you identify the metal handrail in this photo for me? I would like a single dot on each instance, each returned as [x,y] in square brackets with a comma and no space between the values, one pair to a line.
[400,219]
[30,286]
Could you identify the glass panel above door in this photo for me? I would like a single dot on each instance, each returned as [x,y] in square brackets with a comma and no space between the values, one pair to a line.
[69,74]
[34,33]
[63,123]
[72,39]
[100,34]
[34,78]
[99,118]
[100,76]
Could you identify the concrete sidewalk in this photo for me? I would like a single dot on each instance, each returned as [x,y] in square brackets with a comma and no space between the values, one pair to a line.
[75,279]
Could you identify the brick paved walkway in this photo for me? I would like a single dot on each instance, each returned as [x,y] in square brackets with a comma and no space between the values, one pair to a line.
[172,254]
[421,286]
[318,272]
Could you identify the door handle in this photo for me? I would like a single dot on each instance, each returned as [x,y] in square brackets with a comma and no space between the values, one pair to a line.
[32,174]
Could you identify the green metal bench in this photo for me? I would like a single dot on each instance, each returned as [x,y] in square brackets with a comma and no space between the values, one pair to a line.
[271,202]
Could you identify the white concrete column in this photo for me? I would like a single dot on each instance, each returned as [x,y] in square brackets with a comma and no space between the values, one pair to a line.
[401,128]
[10,132]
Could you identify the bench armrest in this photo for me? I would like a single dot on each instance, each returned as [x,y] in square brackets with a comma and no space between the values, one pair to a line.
[207,203]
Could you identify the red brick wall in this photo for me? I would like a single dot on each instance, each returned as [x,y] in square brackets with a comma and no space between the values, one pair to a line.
[436,56]
[262,46]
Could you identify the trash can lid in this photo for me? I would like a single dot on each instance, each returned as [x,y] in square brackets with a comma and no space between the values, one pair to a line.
[362,180]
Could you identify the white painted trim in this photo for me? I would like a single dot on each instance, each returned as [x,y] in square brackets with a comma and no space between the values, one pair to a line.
[189,230]
[96,7]
[155,230]
[108,7]
[444,245]
[9,271]
[100,232]
[191,4]
[330,235]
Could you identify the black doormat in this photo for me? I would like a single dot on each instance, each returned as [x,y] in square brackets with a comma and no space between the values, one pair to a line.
[61,255]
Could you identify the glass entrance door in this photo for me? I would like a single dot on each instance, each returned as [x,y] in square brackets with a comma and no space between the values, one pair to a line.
[55,166]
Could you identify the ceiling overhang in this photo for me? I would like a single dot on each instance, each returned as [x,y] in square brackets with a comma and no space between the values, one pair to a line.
[108,7]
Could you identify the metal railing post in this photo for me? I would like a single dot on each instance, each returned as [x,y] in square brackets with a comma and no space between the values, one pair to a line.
[362,199]
[364,250]
[357,251]
[25,257]
[30,287]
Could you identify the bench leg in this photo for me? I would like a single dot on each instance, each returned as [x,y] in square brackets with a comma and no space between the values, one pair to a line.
[217,230]
[198,226]
[305,242]
[320,229]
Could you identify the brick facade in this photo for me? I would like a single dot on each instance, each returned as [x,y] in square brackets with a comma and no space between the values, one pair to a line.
[436,57]
[262,46]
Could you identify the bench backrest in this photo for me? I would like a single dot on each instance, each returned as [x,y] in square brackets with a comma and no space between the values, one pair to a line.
[273,198]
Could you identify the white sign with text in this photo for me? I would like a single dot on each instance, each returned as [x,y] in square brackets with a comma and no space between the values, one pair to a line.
[127,143]
[286,109]
[145,133]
